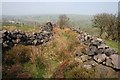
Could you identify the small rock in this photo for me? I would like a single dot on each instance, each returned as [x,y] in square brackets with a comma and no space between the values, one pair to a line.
[35,42]
[78,53]
[89,52]
[85,58]
[96,43]
[100,58]
[102,46]
[109,51]
[99,39]
[5,45]
[108,62]
[87,66]
[78,60]
[98,51]
[93,63]
[115,60]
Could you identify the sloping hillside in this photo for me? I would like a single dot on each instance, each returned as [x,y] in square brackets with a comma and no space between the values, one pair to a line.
[61,57]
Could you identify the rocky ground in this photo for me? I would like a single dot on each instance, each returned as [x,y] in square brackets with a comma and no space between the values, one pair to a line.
[99,51]
[71,50]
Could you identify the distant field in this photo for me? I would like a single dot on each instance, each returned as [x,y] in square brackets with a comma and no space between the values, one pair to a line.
[77,21]
[8,26]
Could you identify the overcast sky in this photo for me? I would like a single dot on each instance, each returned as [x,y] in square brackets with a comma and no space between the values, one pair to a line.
[84,8]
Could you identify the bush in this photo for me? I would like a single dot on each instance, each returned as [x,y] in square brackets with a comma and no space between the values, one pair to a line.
[11,71]
[18,54]
[79,73]
[15,71]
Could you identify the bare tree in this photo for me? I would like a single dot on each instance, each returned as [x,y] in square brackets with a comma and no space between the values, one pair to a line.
[63,21]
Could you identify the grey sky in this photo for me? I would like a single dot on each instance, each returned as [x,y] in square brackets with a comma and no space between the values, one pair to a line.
[85,8]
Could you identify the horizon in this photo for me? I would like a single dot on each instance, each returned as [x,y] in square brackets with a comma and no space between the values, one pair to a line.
[57,8]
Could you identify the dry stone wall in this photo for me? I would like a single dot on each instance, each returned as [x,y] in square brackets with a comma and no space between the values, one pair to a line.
[10,38]
[98,51]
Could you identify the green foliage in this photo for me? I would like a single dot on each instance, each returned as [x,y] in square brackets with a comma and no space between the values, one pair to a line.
[113,44]
[14,26]
[37,69]
[106,23]
[40,66]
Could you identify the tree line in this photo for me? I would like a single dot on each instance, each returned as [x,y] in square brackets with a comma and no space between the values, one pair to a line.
[106,23]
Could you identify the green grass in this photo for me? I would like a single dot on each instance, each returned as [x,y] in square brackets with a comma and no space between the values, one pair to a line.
[30,28]
[37,70]
[113,44]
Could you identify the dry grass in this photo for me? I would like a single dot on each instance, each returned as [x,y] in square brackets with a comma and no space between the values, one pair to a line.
[18,54]
[45,59]
[10,28]
[61,48]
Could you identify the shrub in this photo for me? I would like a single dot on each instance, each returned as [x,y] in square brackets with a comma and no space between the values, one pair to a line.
[78,72]
[24,75]
[11,71]
[18,54]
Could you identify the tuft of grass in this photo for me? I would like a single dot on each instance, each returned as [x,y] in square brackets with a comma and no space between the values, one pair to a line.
[37,69]
[45,59]
[79,73]
[113,44]
[18,54]
[71,69]
[61,48]
[13,61]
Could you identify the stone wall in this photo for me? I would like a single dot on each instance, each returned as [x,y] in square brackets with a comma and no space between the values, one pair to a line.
[11,38]
[98,51]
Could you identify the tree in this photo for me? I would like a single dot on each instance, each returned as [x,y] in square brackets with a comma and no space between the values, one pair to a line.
[119,26]
[106,23]
[63,21]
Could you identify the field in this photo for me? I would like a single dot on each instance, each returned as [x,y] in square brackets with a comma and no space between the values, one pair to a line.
[77,21]
[55,58]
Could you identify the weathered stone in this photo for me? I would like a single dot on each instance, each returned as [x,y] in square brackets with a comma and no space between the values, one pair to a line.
[115,60]
[78,53]
[99,39]
[92,48]
[77,59]
[91,62]
[85,58]
[35,42]
[109,51]
[102,46]
[108,62]
[5,44]
[103,71]
[87,66]
[100,58]
[17,41]
[96,43]
[19,37]
[89,52]
[99,51]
